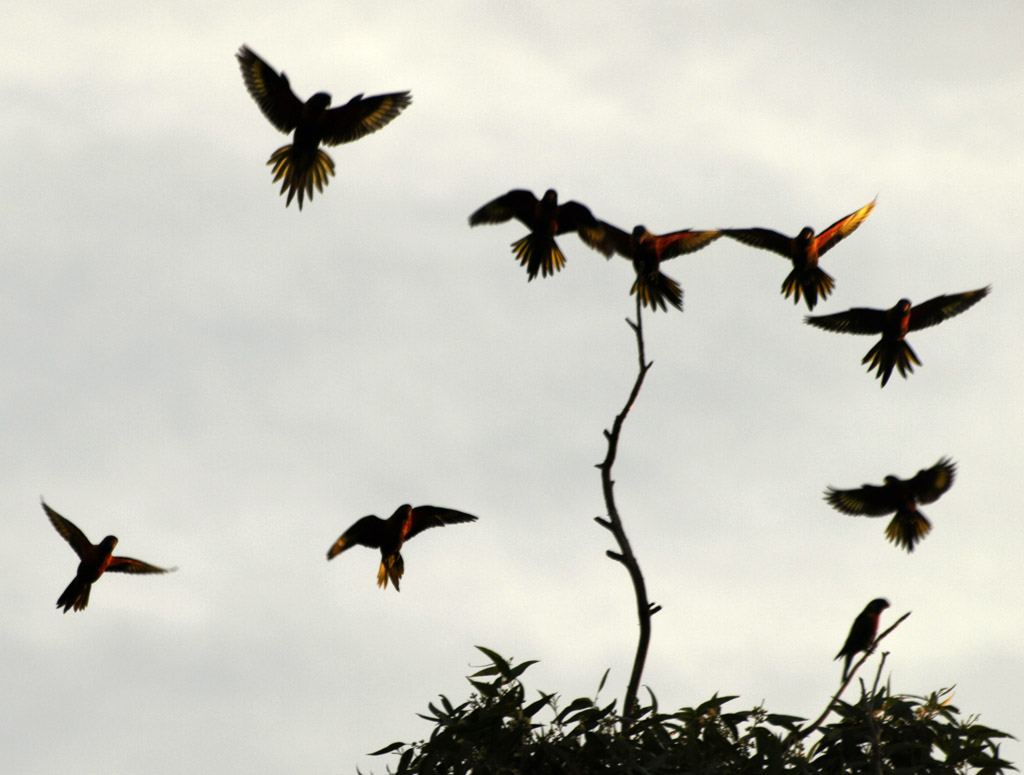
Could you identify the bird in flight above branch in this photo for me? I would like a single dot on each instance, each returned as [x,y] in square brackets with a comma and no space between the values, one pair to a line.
[390,534]
[545,219]
[647,251]
[302,164]
[902,496]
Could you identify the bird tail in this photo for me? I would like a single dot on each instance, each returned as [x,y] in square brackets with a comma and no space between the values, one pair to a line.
[886,355]
[907,528]
[301,170]
[655,289]
[76,596]
[538,254]
[391,567]
[810,282]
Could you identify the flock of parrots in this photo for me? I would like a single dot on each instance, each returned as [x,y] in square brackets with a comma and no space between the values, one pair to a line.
[303,164]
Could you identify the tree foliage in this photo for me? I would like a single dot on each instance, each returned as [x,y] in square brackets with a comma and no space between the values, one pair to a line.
[502,730]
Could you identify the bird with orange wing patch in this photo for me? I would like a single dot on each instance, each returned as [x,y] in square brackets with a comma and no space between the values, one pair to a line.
[390,534]
[646,250]
[302,164]
[807,279]
[96,559]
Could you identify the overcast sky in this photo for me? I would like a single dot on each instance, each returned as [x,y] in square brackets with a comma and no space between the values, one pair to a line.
[226,384]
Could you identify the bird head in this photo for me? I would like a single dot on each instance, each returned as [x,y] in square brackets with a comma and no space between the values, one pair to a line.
[639,232]
[878,605]
[806,234]
[320,101]
[108,543]
[903,306]
[550,196]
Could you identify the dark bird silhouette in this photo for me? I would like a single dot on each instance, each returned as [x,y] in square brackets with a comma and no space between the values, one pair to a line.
[902,496]
[647,251]
[805,249]
[862,633]
[388,535]
[95,561]
[894,324]
[545,219]
[302,164]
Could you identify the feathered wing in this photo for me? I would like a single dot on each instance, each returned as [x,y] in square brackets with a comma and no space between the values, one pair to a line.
[270,90]
[607,239]
[869,500]
[517,203]
[929,483]
[361,116]
[367,531]
[766,239]
[130,565]
[424,517]
[934,311]
[858,320]
[573,216]
[677,243]
[69,532]
[842,228]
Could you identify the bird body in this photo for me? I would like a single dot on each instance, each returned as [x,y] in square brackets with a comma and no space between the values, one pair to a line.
[807,279]
[862,633]
[545,219]
[302,164]
[902,496]
[389,535]
[95,561]
[646,250]
[892,350]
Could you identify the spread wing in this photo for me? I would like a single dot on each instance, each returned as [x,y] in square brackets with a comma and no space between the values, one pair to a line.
[270,90]
[362,115]
[934,311]
[607,239]
[843,227]
[435,516]
[867,501]
[928,484]
[69,532]
[677,243]
[765,239]
[367,531]
[858,320]
[573,216]
[130,565]
[517,203]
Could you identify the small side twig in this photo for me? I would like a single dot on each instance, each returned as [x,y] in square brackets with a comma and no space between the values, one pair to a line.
[625,555]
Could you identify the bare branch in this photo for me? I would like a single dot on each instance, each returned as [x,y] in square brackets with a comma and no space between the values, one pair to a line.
[614,523]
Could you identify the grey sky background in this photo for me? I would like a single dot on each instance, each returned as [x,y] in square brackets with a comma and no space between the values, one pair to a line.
[226,384]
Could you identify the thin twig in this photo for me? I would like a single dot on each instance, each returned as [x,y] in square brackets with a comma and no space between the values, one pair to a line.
[614,523]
